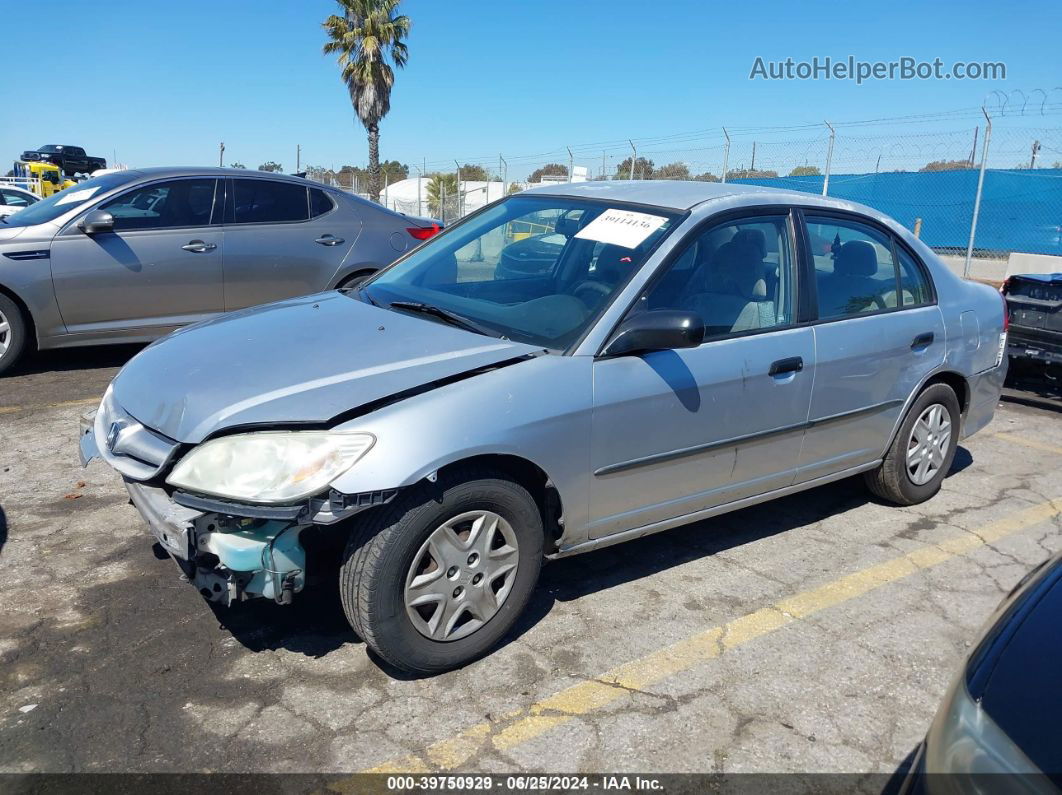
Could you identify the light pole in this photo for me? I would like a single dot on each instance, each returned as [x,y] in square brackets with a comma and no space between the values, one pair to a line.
[635,156]
[726,153]
[829,159]
[221,154]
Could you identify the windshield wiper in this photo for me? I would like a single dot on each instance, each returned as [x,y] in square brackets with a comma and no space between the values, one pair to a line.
[452,318]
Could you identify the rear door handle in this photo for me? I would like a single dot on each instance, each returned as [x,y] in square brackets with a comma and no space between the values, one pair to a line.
[922,341]
[198,246]
[794,364]
[329,240]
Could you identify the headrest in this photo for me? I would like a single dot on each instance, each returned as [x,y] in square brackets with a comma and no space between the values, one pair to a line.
[738,268]
[856,258]
[752,237]
[613,263]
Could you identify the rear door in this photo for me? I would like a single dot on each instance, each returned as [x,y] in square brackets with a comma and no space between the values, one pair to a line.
[282,239]
[878,335]
[159,268]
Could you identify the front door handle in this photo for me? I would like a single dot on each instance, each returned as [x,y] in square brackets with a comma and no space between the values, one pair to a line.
[198,246]
[922,341]
[329,240]
[794,364]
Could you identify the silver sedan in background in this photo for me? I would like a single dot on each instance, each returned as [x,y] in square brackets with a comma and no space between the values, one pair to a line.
[433,435]
[132,255]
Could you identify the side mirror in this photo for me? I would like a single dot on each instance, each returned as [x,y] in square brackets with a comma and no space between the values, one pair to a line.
[656,330]
[97,221]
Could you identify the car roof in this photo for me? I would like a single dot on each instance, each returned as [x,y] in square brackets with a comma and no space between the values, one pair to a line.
[214,171]
[684,195]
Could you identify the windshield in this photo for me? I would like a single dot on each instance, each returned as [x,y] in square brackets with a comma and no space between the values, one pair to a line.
[65,200]
[533,269]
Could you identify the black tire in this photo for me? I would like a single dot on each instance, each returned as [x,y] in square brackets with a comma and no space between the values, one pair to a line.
[892,481]
[381,551]
[16,335]
[353,281]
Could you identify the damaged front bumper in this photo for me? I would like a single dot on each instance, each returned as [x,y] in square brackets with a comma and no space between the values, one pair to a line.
[227,558]
[229,551]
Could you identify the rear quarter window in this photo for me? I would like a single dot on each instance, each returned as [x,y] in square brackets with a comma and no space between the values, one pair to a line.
[320,202]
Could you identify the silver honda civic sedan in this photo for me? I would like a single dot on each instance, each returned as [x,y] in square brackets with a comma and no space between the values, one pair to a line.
[132,255]
[691,349]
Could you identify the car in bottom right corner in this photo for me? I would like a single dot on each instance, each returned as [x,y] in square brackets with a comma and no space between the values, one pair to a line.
[998,728]
[1034,309]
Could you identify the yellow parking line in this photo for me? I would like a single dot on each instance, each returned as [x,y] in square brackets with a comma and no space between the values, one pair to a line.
[58,405]
[585,697]
[1035,445]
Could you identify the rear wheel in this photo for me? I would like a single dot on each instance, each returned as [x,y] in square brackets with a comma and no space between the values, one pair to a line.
[921,454]
[353,281]
[13,333]
[437,578]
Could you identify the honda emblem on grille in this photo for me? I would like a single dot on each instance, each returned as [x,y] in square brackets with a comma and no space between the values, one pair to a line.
[112,435]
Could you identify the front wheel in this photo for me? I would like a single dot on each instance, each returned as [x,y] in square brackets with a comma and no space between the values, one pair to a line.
[13,333]
[923,450]
[437,578]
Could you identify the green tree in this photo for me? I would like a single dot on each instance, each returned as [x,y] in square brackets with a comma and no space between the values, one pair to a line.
[707,176]
[805,171]
[671,171]
[441,188]
[947,165]
[269,165]
[513,188]
[365,36]
[643,169]
[548,170]
[749,173]
[237,165]
[474,173]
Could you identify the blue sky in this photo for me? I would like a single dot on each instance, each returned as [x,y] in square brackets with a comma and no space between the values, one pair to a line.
[162,83]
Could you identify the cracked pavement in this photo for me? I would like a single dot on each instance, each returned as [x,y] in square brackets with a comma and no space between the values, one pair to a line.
[110,663]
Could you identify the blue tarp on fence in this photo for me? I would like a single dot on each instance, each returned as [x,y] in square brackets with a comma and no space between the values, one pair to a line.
[1021,209]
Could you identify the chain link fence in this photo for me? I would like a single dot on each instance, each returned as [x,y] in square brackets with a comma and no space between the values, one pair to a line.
[977,193]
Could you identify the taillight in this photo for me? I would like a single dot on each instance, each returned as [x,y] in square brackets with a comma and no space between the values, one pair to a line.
[424,232]
[1006,309]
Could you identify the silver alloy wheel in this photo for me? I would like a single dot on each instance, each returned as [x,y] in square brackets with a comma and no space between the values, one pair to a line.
[928,444]
[462,575]
[5,334]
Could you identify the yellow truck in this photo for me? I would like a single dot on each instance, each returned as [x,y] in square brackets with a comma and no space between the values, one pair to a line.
[44,179]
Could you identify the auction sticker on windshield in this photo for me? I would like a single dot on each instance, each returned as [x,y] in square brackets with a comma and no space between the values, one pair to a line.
[621,228]
[76,196]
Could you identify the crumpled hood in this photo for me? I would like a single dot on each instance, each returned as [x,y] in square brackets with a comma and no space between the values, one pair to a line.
[305,360]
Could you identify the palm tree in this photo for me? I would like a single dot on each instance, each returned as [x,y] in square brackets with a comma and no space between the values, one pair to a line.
[442,188]
[364,36]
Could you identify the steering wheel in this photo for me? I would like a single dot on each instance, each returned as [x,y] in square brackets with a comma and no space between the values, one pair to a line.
[591,292]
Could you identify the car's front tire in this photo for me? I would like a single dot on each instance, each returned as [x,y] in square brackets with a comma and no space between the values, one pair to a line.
[922,452]
[13,333]
[435,579]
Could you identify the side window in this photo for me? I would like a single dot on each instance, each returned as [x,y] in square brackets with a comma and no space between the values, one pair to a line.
[183,202]
[913,285]
[262,201]
[737,276]
[854,269]
[320,202]
[15,199]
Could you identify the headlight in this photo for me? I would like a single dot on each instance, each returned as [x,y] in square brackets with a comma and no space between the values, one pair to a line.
[270,466]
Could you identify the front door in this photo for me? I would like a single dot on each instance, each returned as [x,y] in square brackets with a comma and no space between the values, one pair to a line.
[675,432]
[878,337]
[159,268]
